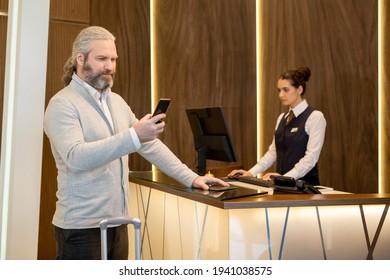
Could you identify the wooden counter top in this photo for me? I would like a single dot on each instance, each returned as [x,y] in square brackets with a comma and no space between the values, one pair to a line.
[160,181]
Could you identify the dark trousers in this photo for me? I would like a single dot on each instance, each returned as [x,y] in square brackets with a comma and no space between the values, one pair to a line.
[84,244]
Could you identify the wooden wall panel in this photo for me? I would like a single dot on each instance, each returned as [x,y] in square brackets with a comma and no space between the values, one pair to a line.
[4,5]
[206,56]
[129,22]
[70,10]
[338,41]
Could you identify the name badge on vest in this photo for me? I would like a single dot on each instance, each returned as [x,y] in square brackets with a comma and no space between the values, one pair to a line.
[294,129]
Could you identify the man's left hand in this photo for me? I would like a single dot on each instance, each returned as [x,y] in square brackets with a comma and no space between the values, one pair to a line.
[203,182]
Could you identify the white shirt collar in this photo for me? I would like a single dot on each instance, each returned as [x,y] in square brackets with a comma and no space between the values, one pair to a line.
[299,109]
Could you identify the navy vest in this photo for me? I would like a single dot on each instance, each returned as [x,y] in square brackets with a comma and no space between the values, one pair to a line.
[291,142]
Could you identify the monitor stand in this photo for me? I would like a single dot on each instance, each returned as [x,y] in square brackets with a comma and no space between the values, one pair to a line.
[202,155]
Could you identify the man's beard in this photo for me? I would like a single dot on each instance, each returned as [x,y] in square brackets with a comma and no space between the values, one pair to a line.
[96,80]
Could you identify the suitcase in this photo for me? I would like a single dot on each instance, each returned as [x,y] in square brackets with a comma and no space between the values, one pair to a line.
[120,221]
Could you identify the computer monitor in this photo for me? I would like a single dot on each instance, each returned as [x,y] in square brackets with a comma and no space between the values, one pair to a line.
[211,136]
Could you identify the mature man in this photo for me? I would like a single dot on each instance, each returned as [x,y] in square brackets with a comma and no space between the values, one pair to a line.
[91,132]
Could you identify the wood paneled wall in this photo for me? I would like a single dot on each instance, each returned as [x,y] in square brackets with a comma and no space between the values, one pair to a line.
[206,56]
[338,41]
[4,5]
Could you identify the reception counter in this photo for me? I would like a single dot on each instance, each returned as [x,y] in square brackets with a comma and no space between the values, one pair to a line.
[183,223]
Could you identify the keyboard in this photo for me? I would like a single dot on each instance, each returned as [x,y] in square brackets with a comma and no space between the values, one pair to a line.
[255,181]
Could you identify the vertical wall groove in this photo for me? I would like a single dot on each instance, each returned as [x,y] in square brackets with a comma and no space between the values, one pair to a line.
[384,150]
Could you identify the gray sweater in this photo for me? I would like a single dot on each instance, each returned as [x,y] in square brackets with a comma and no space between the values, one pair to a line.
[91,157]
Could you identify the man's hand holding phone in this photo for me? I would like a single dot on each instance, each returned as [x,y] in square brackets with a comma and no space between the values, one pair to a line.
[162,107]
[150,126]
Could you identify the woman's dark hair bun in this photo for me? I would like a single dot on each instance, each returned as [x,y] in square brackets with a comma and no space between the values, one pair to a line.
[298,77]
[304,73]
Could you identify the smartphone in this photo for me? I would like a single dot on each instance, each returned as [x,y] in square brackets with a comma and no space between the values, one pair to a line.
[162,106]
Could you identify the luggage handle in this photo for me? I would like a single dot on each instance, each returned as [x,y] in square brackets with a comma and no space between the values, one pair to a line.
[120,221]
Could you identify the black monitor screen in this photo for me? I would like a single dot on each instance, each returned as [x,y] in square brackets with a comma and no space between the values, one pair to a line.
[211,136]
